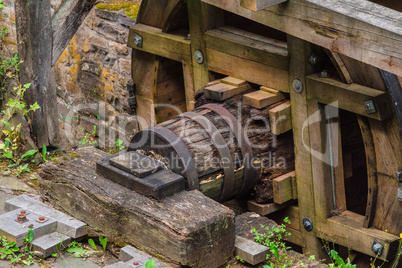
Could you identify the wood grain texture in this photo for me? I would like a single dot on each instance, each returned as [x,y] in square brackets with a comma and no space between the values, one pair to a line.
[283,188]
[250,71]
[187,228]
[257,5]
[335,31]
[65,22]
[280,118]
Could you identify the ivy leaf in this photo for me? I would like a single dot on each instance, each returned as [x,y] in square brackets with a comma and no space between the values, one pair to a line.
[92,243]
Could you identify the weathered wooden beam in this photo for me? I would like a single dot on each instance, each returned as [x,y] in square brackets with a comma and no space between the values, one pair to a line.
[249,46]
[285,188]
[250,71]
[347,230]
[351,97]
[222,91]
[65,23]
[34,36]
[335,31]
[268,208]
[257,5]
[260,98]
[154,41]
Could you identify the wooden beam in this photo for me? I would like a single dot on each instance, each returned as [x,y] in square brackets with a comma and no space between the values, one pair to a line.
[340,66]
[222,91]
[347,230]
[257,5]
[154,41]
[299,67]
[246,45]
[351,97]
[65,22]
[284,188]
[335,31]
[260,98]
[250,71]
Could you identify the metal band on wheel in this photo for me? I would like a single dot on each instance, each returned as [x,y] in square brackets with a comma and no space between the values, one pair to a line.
[219,142]
[240,134]
[180,147]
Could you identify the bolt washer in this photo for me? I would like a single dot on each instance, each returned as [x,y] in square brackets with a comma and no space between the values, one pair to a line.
[297,85]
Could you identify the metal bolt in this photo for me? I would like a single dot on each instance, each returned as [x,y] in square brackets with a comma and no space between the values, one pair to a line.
[313,59]
[23,212]
[137,40]
[399,174]
[199,58]
[370,108]
[135,263]
[400,194]
[377,248]
[297,85]
[324,74]
[41,219]
[188,37]
[307,224]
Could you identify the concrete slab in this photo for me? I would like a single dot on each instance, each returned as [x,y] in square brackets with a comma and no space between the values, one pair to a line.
[51,243]
[15,231]
[65,224]
[130,254]
[119,264]
[251,252]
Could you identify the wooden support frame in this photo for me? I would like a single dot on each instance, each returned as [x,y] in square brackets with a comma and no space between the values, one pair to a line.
[249,46]
[250,70]
[169,45]
[350,97]
[335,31]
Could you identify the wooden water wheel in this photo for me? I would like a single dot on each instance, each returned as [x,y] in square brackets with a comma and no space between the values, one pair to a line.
[346,159]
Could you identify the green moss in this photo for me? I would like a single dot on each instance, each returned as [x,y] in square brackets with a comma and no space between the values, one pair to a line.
[130,8]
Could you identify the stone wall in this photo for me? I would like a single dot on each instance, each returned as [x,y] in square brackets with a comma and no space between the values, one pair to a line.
[91,77]
[7,18]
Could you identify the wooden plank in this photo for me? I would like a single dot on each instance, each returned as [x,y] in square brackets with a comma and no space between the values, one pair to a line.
[265,209]
[349,97]
[145,112]
[257,5]
[248,46]
[168,45]
[340,66]
[65,22]
[347,230]
[335,31]
[280,118]
[260,98]
[223,91]
[188,85]
[283,188]
[250,71]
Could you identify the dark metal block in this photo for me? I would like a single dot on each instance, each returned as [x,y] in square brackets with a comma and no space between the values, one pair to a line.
[157,185]
[136,164]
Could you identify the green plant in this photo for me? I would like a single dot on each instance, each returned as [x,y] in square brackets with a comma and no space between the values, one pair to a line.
[11,252]
[150,264]
[89,138]
[80,251]
[399,253]
[338,262]
[103,242]
[273,239]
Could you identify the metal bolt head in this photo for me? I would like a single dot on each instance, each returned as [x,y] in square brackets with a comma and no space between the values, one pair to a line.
[297,85]
[377,248]
[313,59]
[199,58]
[188,37]
[135,263]
[137,40]
[400,194]
[23,212]
[399,174]
[370,108]
[307,224]
[41,219]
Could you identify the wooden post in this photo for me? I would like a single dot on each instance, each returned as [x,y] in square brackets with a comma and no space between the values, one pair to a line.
[202,17]
[34,35]
[299,51]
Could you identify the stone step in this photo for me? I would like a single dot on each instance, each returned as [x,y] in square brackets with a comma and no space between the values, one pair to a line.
[15,231]
[250,251]
[51,243]
[65,224]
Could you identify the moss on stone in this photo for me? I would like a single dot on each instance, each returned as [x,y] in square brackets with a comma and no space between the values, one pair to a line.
[130,6]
